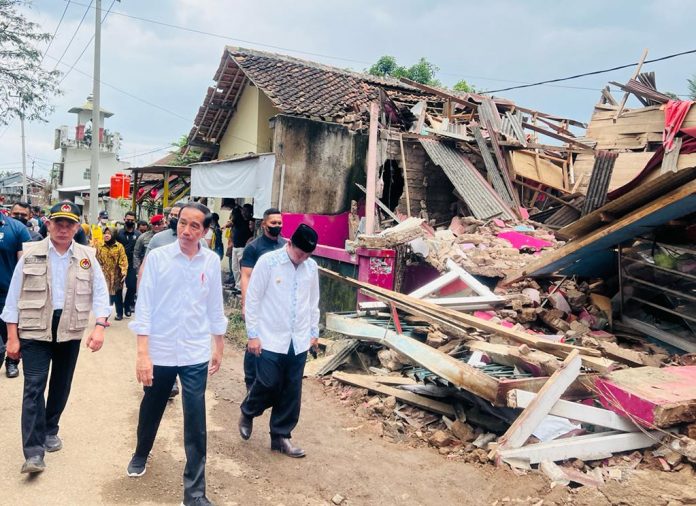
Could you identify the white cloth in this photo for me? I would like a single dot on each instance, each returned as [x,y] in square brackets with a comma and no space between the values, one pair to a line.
[180,305]
[282,303]
[245,177]
[59,264]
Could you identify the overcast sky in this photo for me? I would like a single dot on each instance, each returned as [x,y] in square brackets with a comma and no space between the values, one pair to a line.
[154,77]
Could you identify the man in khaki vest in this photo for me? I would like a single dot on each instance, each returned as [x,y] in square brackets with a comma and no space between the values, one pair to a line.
[55,285]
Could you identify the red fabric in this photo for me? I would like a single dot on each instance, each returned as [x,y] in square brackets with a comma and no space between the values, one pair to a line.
[675,112]
[688,146]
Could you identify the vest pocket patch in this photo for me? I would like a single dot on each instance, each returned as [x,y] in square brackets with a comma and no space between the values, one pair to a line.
[35,278]
[82,310]
[32,314]
[83,282]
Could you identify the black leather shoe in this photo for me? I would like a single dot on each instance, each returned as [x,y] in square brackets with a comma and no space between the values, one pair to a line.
[53,443]
[33,465]
[283,445]
[127,314]
[11,370]
[246,425]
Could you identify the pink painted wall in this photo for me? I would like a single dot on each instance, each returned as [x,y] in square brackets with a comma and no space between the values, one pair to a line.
[332,229]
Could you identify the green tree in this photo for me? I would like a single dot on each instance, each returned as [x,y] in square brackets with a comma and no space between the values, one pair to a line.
[182,156]
[25,87]
[464,87]
[692,87]
[423,71]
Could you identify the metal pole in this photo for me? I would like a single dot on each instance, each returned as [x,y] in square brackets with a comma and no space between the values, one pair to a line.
[24,156]
[96,123]
[371,183]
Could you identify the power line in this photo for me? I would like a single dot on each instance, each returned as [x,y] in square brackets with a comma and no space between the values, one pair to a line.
[53,37]
[225,37]
[74,33]
[89,43]
[593,73]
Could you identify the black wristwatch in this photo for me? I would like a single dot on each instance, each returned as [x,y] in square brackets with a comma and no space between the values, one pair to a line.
[102,324]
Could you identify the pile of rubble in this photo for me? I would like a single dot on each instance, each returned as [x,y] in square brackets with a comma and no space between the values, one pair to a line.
[490,248]
[502,385]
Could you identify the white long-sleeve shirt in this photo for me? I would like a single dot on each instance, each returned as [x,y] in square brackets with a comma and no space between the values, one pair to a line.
[101,306]
[282,303]
[180,305]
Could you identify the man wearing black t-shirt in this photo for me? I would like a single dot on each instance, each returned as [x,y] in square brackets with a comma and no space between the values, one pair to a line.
[272,224]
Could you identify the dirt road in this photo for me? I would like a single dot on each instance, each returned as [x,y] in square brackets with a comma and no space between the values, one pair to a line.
[346,456]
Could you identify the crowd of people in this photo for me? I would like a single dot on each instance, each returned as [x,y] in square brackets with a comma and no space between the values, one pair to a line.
[56,271]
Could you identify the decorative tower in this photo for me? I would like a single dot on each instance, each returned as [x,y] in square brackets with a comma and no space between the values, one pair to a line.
[72,173]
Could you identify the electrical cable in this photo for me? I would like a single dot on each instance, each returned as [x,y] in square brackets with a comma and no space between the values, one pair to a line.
[593,73]
[53,37]
[89,43]
[74,34]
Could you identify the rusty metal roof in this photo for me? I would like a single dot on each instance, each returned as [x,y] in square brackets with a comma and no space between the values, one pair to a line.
[481,199]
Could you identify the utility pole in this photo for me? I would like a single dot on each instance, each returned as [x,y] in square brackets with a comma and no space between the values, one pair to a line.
[94,169]
[24,153]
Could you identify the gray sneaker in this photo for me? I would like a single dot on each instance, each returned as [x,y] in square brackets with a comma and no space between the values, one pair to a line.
[136,466]
[53,443]
[33,465]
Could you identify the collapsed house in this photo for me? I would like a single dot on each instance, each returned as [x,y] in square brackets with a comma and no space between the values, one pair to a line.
[497,269]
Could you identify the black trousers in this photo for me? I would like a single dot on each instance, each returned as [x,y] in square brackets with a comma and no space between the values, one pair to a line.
[193,380]
[117,300]
[3,343]
[131,283]
[40,418]
[278,385]
[249,369]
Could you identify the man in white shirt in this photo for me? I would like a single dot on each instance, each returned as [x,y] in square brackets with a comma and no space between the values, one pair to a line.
[54,286]
[282,320]
[179,307]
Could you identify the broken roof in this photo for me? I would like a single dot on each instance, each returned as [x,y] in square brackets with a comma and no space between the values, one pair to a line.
[294,86]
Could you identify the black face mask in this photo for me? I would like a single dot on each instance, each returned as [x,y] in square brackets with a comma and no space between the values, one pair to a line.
[130,225]
[274,231]
[110,242]
[173,222]
[21,219]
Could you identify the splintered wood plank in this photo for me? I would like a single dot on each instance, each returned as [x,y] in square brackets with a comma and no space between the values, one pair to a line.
[576,411]
[529,166]
[419,401]
[659,397]
[590,447]
[539,407]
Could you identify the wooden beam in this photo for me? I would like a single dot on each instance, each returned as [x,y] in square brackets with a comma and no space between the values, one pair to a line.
[550,196]
[576,411]
[420,401]
[622,104]
[453,370]
[592,447]
[371,183]
[554,135]
[535,362]
[536,411]
[405,174]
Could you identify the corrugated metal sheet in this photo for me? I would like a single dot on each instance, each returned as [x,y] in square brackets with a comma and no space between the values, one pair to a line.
[478,195]
[512,127]
[599,181]
[488,113]
[494,175]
